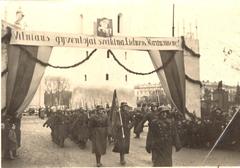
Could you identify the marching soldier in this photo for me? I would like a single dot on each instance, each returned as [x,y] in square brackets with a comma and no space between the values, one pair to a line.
[63,127]
[148,117]
[80,128]
[122,133]
[98,125]
[163,138]
[50,123]
[137,118]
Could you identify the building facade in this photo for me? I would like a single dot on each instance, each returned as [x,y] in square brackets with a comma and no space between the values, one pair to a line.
[211,86]
[148,90]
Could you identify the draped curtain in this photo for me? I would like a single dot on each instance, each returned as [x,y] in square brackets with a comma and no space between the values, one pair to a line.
[24,76]
[172,77]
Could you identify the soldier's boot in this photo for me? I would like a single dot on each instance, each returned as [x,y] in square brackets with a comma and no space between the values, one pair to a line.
[109,140]
[11,155]
[52,136]
[122,159]
[15,153]
[98,159]
[61,142]
[137,136]
[82,144]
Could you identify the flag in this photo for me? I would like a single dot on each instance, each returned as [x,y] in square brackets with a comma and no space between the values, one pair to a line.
[24,74]
[114,116]
[172,76]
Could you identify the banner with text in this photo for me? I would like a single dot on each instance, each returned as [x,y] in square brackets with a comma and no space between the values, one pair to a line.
[87,41]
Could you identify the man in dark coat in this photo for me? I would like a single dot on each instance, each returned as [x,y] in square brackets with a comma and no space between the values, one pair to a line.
[137,118]
[148,117]
[80,129]
[4,136]
[163,138]
[63,129]
[98,125]
[51,123]
[122,133]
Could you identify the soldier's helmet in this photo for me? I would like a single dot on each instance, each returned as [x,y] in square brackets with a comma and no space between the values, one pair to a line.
[164,109]
[124,104]
[153,104]
[99,107]
[54,109]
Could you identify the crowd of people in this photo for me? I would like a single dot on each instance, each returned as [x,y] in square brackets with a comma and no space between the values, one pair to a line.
[100,126]
[167,127]
[196,132]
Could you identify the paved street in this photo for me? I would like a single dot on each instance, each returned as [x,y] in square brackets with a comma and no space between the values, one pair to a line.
[39,151]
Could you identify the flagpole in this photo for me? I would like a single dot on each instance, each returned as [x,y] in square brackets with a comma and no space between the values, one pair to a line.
[173,22]
[120,116]
[205,159]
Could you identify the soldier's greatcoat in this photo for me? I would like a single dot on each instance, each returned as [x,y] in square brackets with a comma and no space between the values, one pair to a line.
[163,138]
[121,145]
[98,125]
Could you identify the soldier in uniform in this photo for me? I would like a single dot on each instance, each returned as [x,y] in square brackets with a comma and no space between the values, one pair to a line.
[161,135]
[80,129]
[148,117]
[137,118]
[49,123]
[122,133]
[98,124]
[63,129]
[163,138]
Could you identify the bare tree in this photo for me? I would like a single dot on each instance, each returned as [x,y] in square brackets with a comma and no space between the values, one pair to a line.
[55,88]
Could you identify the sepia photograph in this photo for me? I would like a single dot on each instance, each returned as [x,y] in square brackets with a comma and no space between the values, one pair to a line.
[118,83]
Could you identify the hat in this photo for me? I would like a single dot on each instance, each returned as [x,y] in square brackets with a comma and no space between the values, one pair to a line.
[153,104]
[164,109]
[124,104]
[99,107]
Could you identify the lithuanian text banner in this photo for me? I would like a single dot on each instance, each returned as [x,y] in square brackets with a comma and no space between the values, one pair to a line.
[87,41]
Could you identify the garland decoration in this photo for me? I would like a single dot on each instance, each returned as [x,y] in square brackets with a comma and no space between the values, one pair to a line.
[56,66]
[185,47]
[139,73]
[193,80]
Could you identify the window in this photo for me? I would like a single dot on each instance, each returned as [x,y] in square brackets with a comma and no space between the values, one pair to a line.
[126,78]
[119,22]
[85,77]
[125,55]
[107,77]
[81,22]
[86,53]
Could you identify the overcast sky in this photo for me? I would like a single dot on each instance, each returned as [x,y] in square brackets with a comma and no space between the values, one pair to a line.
[218,28]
